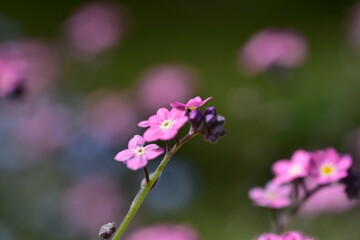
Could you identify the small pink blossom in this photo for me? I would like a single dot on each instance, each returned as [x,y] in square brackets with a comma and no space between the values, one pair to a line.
[272,196]
[273,47]
[137,155]
[331,199]
[94,28]
[286,236]
[327,165]
[269,236]
[10,78]
[162,84]
[295,236]
[164,125]
[191,104]
[288,170]
[165,232]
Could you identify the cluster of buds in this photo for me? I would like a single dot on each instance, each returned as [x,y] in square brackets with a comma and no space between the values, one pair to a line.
[299,178]
[165,125]
[209,123]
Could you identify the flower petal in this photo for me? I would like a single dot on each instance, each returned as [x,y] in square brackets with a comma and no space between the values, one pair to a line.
[178,105]
[153,153]
[136,141]
[162,114]
[152,134]
[124,155]
[136,163]
[144,124]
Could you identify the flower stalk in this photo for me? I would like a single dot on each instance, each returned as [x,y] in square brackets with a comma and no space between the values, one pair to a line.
[143,192]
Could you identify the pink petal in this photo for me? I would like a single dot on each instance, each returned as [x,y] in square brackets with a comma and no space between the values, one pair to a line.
[144,124]
[176,114]
[193,102]
[178,105]
[136,163]
[154,120]
[152,134]
[168,134]
[302,157]
[136,141]
[345,162]
[124,155]
[256,193]
[180,122]
[162,114]
[153,153]
[281,166]
[151,147]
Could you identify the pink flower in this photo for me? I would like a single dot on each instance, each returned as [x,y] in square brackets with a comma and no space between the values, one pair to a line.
[296,167]
[191,104]
[272,196]
[328,166]
[10,79]
[94,28]
[164,125]
[165,232]
[174,82]
[91,202]
[269,236]
[272,47]
[138,155]
[295,236]
[286,236]
[331,199]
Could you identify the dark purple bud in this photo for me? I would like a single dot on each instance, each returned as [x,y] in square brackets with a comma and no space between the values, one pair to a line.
[352,184]
[196,118]
[210,111]
[210,121]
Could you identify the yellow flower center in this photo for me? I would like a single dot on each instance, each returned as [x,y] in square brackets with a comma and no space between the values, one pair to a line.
[167,124]
[192,108]
[327,170]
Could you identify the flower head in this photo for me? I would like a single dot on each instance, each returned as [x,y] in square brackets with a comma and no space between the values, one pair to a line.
[288,170]
[137,155]
[328,166]
[273,47]
[272,196]
[164,125]
[191,104]
[286,236]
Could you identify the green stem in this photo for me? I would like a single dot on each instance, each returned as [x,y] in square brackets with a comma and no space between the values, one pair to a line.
[143,192]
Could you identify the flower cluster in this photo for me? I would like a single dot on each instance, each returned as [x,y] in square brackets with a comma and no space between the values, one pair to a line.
[308,170]
[165,125]
[297,180]
[286,236]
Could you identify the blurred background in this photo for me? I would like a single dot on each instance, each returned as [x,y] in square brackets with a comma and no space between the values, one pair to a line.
[77,76]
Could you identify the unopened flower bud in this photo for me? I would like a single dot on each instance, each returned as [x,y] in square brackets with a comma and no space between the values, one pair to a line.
[195,117]
[107,230]
[352,184]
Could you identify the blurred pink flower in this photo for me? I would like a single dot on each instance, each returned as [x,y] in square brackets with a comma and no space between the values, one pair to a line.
[272,196]
[191,104]
[95,27]
[10,78]
[91,202]
[163,84]
[331,199]
[286,236]
[111,116]
[138,155]
[327,166]
[288,170]
[34,61]
[165,232]
[273,47]
[269,236]
[354,25]
[165,124]
[42,128]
